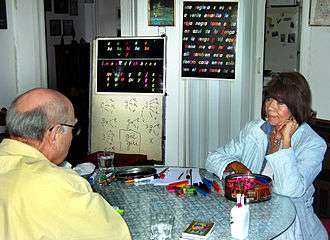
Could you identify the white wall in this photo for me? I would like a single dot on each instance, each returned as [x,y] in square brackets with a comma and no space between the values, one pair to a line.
[7,60]
[23,55]
[108,21]
[203,114]
[314,62]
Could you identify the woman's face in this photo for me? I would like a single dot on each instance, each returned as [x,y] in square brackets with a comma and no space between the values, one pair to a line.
[276,112]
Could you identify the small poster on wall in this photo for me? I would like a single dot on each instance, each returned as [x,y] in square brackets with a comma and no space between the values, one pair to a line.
[55,27]
[161,12]
[319,14]
[61,6]
[3,15]
[209,39]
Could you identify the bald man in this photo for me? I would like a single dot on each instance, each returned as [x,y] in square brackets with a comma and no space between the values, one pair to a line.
[38,199]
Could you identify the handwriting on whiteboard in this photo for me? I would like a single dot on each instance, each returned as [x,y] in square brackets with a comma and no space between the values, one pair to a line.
[128,124]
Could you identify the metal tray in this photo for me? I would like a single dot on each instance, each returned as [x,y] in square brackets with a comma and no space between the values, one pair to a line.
[135,172]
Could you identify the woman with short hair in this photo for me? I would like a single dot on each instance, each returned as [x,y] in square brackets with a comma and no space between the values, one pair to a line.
[282,146]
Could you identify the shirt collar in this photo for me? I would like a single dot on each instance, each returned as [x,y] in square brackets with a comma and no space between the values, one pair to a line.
[266,127]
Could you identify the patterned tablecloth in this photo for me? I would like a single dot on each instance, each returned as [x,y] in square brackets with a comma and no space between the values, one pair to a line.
[268,219]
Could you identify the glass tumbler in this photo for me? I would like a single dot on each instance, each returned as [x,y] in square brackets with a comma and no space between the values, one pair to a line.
[161,225]
[106,162]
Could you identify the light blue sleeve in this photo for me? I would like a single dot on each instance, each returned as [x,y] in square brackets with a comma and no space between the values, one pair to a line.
[242,149]
[296,168]
[217,161]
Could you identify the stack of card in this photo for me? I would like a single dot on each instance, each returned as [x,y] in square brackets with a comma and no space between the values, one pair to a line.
[198,230]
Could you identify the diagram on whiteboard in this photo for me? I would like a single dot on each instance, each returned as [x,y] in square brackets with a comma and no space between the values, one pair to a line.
[128,124]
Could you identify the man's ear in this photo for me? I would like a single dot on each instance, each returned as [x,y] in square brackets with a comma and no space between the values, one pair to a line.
[52,134]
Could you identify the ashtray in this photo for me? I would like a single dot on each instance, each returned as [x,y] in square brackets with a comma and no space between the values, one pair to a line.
[134,172]
[255,187]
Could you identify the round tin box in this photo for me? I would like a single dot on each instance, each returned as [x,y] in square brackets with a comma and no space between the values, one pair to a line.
[255,187]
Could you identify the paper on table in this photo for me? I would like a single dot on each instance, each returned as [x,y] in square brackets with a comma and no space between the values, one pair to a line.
[172,175]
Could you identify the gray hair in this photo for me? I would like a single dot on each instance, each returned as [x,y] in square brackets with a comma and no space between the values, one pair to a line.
[33,124]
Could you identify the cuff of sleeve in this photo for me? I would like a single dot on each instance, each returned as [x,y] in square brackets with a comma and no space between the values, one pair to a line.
[282,156]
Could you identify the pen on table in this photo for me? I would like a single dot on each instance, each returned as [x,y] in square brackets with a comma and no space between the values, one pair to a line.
[143,179]
[140,180]
[216,187]
[180,175]
[162,173]
[191,176]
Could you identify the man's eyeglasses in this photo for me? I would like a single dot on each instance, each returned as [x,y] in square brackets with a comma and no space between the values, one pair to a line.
[75,128]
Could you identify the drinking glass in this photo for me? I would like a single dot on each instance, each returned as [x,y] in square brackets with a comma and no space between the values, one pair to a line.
[161,225]
[106,162]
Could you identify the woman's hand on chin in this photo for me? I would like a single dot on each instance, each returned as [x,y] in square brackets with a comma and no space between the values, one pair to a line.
[284,134]
[287,131]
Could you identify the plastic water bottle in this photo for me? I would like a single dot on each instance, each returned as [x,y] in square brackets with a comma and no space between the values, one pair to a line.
[240,219]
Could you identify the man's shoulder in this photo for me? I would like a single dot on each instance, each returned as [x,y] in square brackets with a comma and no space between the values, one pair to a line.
[57,178]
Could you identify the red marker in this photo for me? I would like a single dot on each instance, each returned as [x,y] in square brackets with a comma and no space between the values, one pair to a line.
[176,184]
[216,187]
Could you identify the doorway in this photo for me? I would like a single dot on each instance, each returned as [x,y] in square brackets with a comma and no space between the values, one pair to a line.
[71,26]
[282,38]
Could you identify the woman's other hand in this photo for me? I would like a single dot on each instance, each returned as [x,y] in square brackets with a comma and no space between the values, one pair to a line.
[287,131]
[237,167]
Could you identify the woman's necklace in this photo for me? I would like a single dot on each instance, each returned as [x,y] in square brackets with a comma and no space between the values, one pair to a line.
[275,142]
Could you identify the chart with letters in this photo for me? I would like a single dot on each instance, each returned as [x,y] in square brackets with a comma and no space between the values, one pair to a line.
[130,65]
[209,39]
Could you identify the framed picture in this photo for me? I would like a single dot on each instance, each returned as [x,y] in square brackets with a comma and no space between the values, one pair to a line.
[55,27]
[3,15]
[67,27]
[161,12]
[74,7]
[319,13]
[48,5]
[61,6]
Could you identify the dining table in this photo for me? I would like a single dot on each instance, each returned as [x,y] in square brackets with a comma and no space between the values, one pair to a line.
[138,202]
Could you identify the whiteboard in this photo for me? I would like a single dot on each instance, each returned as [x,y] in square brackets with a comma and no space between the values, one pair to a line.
[128,124]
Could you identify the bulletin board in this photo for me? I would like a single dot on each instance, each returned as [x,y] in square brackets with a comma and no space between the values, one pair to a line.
[130,65]
[209,39]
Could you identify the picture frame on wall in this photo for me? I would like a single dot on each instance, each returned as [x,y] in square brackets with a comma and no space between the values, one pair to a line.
[55,27]
[3,14]
[67,27]
[161,12]
[319,14]
[48,5]
[73,7]
[61,6]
